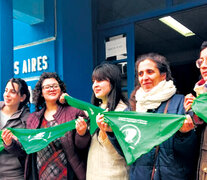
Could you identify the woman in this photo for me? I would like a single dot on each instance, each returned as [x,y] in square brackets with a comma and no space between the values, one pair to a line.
[200,88]
[155,92]
[103,160]
[14,112]
[65,157]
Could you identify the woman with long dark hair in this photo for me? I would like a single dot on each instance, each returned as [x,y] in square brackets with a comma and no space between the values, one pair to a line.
[14,112]
[104,162]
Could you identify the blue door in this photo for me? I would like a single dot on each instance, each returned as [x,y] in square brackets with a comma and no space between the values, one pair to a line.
[117,45]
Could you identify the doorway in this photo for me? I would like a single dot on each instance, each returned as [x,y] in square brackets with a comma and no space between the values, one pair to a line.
[181,52]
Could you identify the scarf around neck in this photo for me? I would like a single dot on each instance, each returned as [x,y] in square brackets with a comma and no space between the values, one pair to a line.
[152,99]
[200,87]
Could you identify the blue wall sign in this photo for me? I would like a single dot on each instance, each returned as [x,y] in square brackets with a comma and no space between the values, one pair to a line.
[30,62]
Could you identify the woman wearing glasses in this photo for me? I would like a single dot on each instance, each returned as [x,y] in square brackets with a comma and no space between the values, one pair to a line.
[200,88]
[14,113]
[65,157]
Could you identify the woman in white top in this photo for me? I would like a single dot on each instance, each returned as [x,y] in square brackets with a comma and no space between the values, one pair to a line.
[104,162]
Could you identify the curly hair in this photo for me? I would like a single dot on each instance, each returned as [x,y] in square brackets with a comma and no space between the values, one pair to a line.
[112,73]
[162,65]
[23,89]
[38,99]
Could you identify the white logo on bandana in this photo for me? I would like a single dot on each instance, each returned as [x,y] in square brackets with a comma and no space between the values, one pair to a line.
[132,134]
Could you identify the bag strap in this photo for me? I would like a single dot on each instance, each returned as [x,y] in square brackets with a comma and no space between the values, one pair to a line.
[153,170]
[166,106]
[158,147]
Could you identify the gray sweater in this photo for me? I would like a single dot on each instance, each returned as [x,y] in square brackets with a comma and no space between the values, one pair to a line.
[11,163]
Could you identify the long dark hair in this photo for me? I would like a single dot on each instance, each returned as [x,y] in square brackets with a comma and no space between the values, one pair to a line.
[38,99]
[110,72]
[162,65]
[23,89]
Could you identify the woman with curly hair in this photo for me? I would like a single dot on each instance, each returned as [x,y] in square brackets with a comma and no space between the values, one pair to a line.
[64,158]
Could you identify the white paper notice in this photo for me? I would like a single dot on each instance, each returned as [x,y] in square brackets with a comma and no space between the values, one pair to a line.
[116,47]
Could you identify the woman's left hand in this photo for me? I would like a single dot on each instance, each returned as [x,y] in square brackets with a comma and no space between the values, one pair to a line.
[187,125]
[81,126]
[101,124]
[62,99]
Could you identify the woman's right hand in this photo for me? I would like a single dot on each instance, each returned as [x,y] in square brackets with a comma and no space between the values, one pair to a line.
[188,101]
[7,137]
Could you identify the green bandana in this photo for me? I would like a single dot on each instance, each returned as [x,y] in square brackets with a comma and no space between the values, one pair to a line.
[199,106]
[34,140]
[138,133]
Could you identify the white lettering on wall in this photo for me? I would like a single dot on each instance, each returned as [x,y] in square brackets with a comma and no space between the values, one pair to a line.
[34,63]
[39,63]
[16,67]
[24,67]
[31,65]
[44,61]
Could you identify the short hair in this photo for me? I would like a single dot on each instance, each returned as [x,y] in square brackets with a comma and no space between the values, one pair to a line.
[162,66]
[203,45]
[159,60]
[38,99]
[112,73]
[23,89]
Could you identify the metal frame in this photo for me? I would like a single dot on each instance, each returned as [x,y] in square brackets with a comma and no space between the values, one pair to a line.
[126,25]
[151,14]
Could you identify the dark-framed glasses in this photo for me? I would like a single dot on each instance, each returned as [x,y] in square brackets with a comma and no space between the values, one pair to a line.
[49,86]
[200,61]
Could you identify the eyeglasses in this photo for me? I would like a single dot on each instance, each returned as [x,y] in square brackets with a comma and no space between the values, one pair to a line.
[200,61]
[48,87]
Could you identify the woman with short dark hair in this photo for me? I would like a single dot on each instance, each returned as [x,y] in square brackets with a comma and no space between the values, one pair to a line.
[200,88]
[155,92]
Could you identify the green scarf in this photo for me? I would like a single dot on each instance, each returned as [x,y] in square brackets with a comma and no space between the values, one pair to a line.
[34,140]
[199,106]
[138,133]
